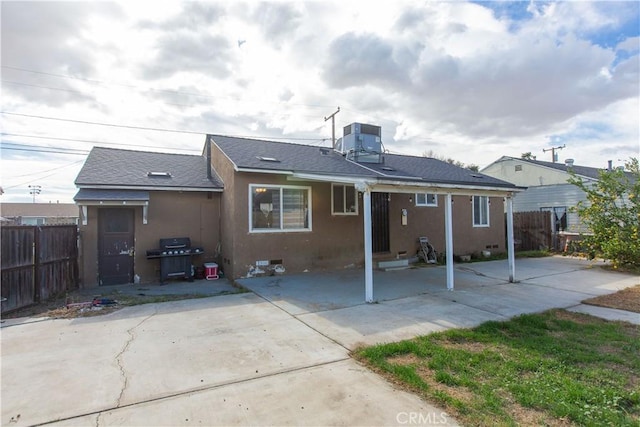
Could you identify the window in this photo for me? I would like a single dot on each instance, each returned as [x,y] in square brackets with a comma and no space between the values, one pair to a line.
[279,208]
[558,217]
[480,211]
[344,200]
[426,199]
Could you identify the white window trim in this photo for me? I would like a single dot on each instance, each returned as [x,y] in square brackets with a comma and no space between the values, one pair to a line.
[473,213]
[427,204]
[278,230]
[344,194]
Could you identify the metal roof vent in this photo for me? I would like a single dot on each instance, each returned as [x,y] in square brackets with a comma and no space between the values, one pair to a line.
[569,163]
[268,159]
[159,174]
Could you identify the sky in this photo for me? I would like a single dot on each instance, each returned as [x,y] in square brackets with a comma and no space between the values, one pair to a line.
[470,81]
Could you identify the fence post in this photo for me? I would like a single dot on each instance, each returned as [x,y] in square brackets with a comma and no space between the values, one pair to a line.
[36,264]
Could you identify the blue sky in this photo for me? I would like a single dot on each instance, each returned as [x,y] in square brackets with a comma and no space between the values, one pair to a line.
[472,81]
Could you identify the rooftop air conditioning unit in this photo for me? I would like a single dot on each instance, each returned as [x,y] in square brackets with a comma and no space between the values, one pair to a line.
[361,143]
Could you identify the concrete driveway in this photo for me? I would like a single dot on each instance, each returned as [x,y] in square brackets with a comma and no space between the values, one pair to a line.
[279,356]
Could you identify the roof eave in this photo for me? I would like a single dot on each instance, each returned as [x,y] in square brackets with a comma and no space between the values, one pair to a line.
[147,188]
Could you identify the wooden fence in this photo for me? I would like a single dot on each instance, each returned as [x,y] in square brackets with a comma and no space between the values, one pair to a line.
[532,230]
[37,262]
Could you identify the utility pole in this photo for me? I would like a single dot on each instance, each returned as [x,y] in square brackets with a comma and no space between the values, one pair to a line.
[333,126]
[554,157]
[33,190]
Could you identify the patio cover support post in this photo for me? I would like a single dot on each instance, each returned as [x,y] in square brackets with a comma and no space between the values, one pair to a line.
[368,251]
[510,244]
[448,231]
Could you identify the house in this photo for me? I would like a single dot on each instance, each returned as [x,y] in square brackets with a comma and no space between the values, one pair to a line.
[548,188]
[39,213]
[131,199]
[296,208]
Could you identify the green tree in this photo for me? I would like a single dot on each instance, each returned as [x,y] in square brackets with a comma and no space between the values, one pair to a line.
[612,213]
[528,156]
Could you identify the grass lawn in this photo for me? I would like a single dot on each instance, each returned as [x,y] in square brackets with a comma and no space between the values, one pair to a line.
[551,368]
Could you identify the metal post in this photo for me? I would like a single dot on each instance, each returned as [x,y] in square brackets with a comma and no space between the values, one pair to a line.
[368,252]
[510,244]
[448,229]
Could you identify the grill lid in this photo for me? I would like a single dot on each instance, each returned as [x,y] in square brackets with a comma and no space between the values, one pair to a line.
[175,243]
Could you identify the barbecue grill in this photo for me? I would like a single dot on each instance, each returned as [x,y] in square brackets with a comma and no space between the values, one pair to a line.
[175,257]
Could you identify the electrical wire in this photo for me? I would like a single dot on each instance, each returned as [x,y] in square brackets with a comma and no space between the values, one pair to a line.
[45,151]
[48,170]
[99,142]
[130,86]
[149,128]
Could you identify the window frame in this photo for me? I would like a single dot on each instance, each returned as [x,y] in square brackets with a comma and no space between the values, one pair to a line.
[426,200]
[487,203]
[281,228]
[344,199]
[557,224]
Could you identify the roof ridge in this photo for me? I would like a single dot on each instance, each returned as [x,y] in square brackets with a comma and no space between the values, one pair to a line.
[145,152]
[268,140]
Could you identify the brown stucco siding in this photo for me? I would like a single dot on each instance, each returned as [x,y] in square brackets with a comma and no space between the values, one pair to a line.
[170,214]
[333,242]
[224,168]
[429,221]
[468,239]
[422,221]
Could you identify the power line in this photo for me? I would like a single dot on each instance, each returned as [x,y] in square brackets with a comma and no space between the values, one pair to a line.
[43,87]
[130,86]
[86,122]
[97,142]
[149,128]
[48,170]
[44,151]
[2,145]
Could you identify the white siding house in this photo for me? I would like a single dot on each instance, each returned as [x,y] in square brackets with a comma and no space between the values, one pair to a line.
[547,188]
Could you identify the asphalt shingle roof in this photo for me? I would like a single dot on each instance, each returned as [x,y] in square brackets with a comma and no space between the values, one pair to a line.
[247,153]
[128,168]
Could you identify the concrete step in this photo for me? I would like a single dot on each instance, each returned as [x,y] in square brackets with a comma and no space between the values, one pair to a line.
[393,264]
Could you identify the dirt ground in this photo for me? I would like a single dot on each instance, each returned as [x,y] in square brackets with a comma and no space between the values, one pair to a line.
[626,299]
[73,305]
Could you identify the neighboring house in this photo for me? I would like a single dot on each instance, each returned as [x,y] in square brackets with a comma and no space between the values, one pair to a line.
[131,199]
[39,213]
[548,188]
[298,208]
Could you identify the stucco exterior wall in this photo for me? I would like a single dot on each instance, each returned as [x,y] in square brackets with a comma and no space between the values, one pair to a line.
[335,241]
[170,214]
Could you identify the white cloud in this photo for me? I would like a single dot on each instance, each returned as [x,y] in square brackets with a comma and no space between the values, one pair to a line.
[461,79]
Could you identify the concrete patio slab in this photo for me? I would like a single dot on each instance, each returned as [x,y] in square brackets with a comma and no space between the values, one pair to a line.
[415,301]
[339,394]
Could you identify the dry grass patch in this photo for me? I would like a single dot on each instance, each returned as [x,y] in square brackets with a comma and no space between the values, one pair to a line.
[626,299]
